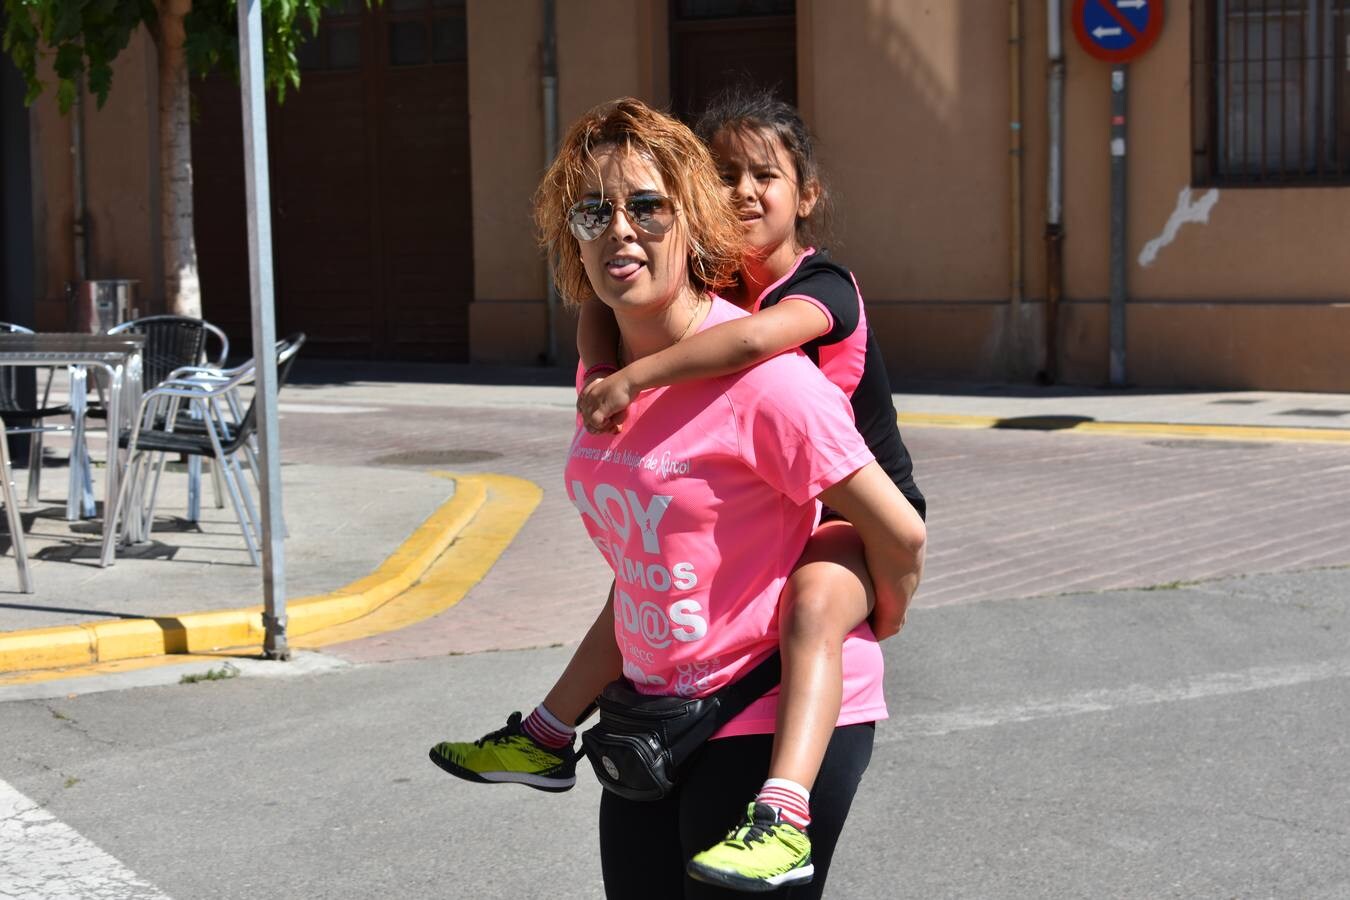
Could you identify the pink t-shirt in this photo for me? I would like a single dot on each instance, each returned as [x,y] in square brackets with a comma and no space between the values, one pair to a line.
[841,349]
[702,505]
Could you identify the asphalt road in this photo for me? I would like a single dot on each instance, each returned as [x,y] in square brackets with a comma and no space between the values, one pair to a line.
[1183,742]
[1056,731]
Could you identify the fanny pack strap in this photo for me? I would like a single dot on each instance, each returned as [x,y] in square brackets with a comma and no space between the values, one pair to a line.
[733,699]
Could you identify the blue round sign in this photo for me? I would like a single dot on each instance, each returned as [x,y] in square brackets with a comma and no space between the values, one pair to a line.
[1117,30]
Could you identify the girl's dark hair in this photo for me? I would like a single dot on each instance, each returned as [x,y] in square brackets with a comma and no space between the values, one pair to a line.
[747,109]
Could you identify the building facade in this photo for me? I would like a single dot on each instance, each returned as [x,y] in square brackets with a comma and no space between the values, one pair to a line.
[402,172]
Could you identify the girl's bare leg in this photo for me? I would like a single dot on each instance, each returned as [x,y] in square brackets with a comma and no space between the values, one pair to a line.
[595,664]
[826,597]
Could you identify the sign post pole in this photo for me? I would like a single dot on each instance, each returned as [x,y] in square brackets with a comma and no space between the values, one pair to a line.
[1119,104]
[1117,31]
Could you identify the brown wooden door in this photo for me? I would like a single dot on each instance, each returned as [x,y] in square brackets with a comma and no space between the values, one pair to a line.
[370,188]
[424,180]
[715,44]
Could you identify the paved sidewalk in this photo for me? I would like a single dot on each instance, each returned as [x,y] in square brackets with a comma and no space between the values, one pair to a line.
[538,387]
[1270,409]
[361,440]
[343,521]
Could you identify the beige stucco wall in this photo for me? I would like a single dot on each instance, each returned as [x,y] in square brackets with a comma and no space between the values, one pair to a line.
[1259,243]
[1255,297]
[506,156]
[508,316]
[121,177]
[914,133]
[914,138]
[910,102]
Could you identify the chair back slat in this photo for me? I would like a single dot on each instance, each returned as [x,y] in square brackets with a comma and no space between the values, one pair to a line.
[288,349]
[171,342]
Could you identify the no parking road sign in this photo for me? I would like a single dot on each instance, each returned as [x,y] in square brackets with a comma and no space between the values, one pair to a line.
[1117,30]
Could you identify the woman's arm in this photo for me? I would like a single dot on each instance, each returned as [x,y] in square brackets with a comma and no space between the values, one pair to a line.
[720,350]
[893,538]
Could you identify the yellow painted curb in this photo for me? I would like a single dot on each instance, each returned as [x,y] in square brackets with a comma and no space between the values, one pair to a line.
[208,632]
[70,644]
[450,577]
[946,420]
[1135,429]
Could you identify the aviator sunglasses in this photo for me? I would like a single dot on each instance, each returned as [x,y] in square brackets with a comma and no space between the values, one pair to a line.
[649,211]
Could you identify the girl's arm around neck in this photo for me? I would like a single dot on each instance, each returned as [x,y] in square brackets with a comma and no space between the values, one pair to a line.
[719,350]
[597,335]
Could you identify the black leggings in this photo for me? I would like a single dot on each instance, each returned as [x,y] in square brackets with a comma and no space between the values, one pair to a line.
[644,846]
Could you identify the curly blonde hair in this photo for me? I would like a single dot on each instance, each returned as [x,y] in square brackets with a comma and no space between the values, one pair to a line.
[716,238]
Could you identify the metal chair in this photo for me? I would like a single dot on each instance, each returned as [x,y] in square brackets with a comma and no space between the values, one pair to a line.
[189,422]
[173,342]
[17,411]
[12,513]
[214,429]
[223,346]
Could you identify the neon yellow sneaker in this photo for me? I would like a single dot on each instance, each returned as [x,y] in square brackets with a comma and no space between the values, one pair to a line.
[508,755]
[762,853]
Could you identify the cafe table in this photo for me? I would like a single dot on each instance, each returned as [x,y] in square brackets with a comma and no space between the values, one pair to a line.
[118,357]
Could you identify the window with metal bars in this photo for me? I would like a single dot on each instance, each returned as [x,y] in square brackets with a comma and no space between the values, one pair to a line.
[1271,87]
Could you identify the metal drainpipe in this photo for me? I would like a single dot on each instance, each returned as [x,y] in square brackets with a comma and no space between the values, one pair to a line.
[549,83]
[77,155]
[1054,211]
[1015,175]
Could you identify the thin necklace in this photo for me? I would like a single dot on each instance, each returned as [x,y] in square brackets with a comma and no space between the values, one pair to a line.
[623,347]
[698,304]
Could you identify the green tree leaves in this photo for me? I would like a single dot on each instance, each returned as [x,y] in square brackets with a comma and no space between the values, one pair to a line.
[83,37]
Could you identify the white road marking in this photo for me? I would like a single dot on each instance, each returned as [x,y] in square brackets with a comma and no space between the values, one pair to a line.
[42,858]
[1218,684]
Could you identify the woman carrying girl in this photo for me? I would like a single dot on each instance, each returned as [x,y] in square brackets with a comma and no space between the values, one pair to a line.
[766,157]
[632,213]
[800,298]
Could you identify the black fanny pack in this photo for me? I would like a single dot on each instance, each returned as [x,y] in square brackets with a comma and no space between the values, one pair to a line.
[642,740]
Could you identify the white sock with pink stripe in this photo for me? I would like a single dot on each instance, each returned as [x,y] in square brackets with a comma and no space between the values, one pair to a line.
[547,730]
[792,801]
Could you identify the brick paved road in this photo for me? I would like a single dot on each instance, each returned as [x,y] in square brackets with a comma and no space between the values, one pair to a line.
[1013,514]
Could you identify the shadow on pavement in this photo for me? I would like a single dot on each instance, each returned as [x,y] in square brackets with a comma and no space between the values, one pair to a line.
[331,372]
[1026,390]
[1042,423]
[30,607]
